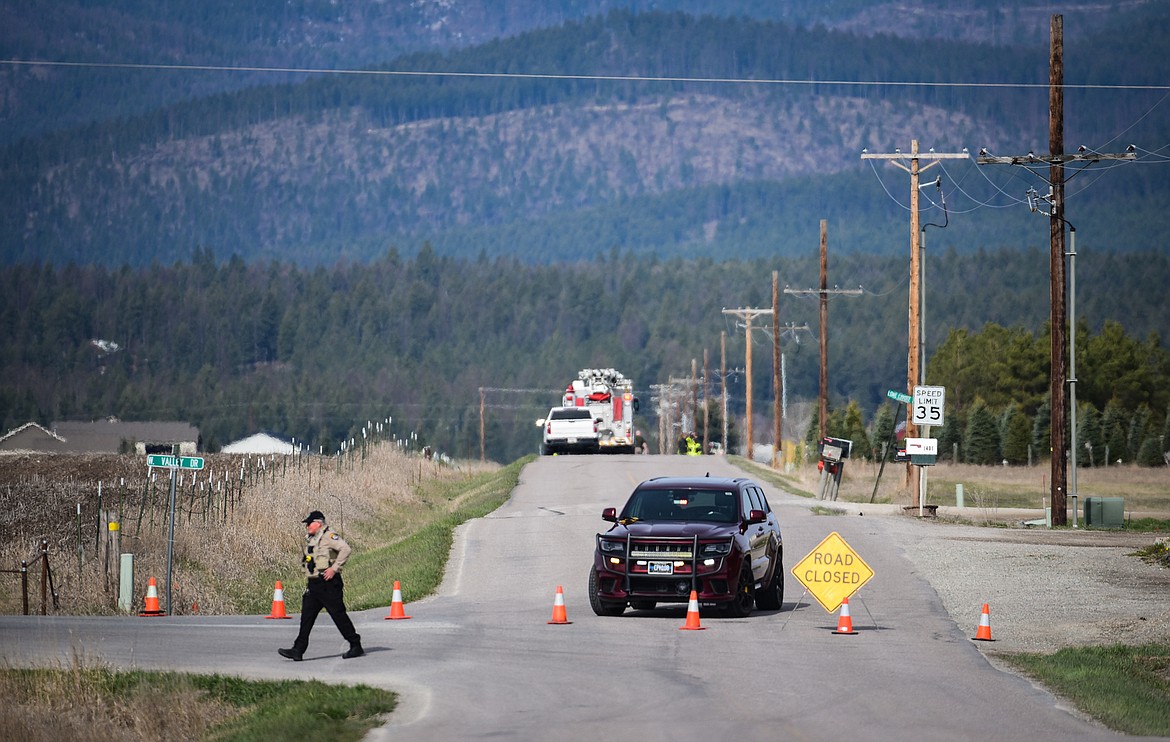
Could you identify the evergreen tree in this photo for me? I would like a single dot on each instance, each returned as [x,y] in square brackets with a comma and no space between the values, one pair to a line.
[1138,432]
[1090,438]
[981,443]
[951,435]
[855,431]
[1017,437]
[1150,453]
[1165,440]
[883,430]
[1114,422]
[1042,428]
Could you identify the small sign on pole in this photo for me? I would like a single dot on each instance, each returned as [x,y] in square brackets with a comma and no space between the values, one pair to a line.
[898,396]
[165,461]
[927,408]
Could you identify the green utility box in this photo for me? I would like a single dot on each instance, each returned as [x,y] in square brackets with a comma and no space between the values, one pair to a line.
[1104,512]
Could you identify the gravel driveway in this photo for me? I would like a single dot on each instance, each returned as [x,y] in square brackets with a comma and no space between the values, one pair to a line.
[1046,589]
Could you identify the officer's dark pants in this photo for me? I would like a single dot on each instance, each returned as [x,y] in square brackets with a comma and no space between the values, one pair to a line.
[327,594]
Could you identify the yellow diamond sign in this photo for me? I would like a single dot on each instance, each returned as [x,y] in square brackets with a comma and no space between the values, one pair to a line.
[832,572]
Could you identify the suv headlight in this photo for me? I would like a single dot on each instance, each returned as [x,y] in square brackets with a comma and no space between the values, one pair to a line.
[723,548]
[612,547]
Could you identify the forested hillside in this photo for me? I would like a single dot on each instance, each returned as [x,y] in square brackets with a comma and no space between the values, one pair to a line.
[315,353]
[560,167]
[324,34]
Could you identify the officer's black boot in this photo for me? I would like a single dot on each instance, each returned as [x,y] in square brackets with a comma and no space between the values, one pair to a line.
[293,654]
[355,649]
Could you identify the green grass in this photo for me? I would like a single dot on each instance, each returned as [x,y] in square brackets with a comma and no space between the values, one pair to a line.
[296,710]
[771,476]
[419,560]
[83,703]
[1126,688]
[1156,553]
[1147,525]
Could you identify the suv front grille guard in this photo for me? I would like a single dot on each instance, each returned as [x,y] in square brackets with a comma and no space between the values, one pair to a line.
[662,548]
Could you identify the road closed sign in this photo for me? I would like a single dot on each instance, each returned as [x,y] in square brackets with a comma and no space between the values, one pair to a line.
[832,572]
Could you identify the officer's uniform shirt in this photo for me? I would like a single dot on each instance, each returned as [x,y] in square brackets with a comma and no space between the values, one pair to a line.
[324,550]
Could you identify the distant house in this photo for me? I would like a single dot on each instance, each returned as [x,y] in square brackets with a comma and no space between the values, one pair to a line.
[259,443]
[32,437]
[104,436]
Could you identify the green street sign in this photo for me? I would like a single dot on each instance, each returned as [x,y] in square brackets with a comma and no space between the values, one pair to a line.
[898,396]
[175,462]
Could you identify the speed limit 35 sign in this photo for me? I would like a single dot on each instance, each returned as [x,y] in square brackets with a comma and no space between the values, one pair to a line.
[928,404]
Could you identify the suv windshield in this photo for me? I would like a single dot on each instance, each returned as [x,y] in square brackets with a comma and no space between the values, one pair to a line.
[715,506]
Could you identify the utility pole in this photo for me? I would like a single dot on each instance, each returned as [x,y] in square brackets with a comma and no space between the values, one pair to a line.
[914,352]
[706,411]
[482,442]
[777,413]
[723,382]
[1056,161]
[824,293]
[694,394]
[746,315]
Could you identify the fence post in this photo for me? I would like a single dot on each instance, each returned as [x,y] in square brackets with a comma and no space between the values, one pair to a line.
[44,577]
[24,583]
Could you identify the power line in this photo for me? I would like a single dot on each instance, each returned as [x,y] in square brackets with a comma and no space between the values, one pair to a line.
[551,76]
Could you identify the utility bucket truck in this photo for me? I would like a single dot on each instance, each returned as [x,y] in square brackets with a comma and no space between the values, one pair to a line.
[609,397]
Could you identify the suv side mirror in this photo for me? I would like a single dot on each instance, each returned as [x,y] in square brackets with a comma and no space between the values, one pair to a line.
[609,514]
[540,423]
[757,516]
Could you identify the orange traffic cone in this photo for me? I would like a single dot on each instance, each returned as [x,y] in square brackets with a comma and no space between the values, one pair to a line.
[152,608]
[278,603]
[397,610]
[692,623]
[845,621]
[984,632]
[559,615]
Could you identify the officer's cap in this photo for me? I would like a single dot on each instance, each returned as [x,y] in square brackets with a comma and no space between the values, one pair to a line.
[315,515]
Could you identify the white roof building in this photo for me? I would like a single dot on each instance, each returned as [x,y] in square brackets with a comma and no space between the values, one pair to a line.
[259,443]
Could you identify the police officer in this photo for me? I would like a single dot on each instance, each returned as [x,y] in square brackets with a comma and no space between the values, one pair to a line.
[324,554]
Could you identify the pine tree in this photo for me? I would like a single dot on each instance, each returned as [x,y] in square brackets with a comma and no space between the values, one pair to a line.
[950,436]
[1137,434]
[1090,436]
[1042,428]
[883,430]
[1017,436]
[981,444]
[855,431]
[1150,453]
[1114,422]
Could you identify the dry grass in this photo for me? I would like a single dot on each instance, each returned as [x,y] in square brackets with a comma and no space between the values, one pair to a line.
[78,703]
[989,487]
[228,553]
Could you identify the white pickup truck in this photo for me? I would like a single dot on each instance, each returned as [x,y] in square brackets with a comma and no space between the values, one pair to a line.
[568,430]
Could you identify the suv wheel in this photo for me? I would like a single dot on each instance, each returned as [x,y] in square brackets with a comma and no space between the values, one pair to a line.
[772,597]
[599,606]
[741,605]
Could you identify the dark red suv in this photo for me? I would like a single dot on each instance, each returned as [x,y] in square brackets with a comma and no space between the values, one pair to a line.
[718,537]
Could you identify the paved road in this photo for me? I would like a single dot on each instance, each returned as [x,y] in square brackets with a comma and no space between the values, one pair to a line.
[480,661]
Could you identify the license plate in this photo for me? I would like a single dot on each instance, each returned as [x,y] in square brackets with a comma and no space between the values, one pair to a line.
[572,440]
[660,568]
